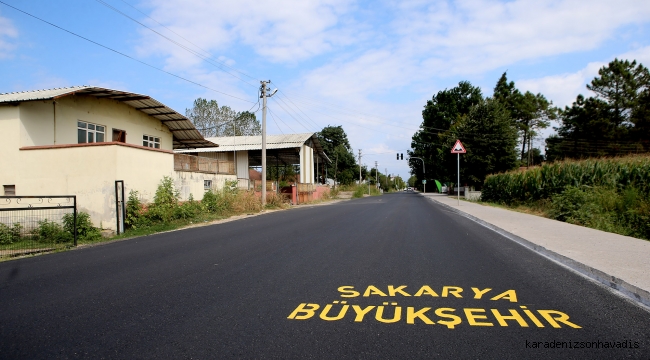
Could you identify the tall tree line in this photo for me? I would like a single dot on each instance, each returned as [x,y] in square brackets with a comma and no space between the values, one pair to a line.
[615,121]
[492,129]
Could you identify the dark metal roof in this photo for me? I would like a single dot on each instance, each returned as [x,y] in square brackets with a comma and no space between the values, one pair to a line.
[185,135]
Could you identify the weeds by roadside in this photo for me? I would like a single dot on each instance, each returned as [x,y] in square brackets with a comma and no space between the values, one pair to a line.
[611,194]
[168,213]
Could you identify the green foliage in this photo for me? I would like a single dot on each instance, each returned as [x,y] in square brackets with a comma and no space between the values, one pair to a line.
[624,213]
[440,114]
[608,194]
[134,210]
[10,234]
[165,201]
[50,231]
[615,122]
[485,154]
[336,145]
[549,179]
[85,229]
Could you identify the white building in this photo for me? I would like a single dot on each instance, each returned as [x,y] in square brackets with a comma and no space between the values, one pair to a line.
[81,140]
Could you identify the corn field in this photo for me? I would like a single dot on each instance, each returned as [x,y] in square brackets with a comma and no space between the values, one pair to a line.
[544,181]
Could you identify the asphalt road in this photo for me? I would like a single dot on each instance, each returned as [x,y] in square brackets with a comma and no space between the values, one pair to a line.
[318,282]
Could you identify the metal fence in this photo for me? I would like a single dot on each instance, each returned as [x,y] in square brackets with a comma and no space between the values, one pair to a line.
[33,224]
[184,162]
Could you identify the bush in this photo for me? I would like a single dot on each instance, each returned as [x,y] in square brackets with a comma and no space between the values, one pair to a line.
[134,211]
[605,209]
[187,210]
[10,234]
[275,200]
[49,231]
[359,191]
[165,201]
[85,229]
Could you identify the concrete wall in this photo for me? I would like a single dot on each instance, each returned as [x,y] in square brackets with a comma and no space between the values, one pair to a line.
[306,164]
[89,171]
[77,171]
[193,183]
[55,123]
[9,128]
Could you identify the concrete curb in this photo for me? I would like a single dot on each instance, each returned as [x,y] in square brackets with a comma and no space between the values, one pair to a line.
[638,295]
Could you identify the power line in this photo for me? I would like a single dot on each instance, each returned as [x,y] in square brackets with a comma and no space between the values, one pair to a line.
[208,59]
[123,54]
[177,34]
[271,112]
[285,110]
[276,123]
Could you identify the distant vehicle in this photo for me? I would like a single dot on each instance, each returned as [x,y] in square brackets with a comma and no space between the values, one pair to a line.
[443,189]
[409,189]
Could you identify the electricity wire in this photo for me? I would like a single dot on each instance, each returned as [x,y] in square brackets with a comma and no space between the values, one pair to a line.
[208,59]
[123,54]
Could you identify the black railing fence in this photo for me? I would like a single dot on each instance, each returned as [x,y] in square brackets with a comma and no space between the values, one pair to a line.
[33,224]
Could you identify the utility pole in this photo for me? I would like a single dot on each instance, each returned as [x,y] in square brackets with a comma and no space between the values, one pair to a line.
[263,96]
[386,174]
[263,90]
[376,175]
[359,167]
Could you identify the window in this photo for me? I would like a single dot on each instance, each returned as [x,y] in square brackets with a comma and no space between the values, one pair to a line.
[90,133]
[151,141]
[119,135]
[10,190]
[207,184]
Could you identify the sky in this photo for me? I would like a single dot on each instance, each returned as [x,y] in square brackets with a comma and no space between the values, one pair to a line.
[369,66]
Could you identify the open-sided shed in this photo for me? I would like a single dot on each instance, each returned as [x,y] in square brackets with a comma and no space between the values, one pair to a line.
[303,149]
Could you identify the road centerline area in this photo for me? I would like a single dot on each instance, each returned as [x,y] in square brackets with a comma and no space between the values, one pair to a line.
[395,276]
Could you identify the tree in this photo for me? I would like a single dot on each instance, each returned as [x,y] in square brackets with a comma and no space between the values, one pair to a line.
[615,122]
[492,147]
[529,112]
[212,120]
[439,115]
[336,145]
[620,85]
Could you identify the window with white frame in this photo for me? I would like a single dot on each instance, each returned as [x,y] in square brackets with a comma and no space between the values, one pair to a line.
[90,133]
[207,184]
[151,141]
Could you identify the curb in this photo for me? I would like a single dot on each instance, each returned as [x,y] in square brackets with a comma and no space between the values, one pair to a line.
[626,289]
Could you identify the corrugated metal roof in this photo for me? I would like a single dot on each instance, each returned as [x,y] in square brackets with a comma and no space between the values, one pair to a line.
[186,136]
[286,141]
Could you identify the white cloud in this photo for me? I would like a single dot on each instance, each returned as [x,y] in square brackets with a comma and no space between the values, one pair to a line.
[280,31]
[473,36]
[7,32]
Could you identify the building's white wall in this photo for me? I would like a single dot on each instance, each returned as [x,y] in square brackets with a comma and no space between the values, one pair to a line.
[193,183]
[38,121]
[90,174]
[9,128]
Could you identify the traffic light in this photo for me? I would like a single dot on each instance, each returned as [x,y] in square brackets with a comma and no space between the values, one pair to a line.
[402,156]
[397,156]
